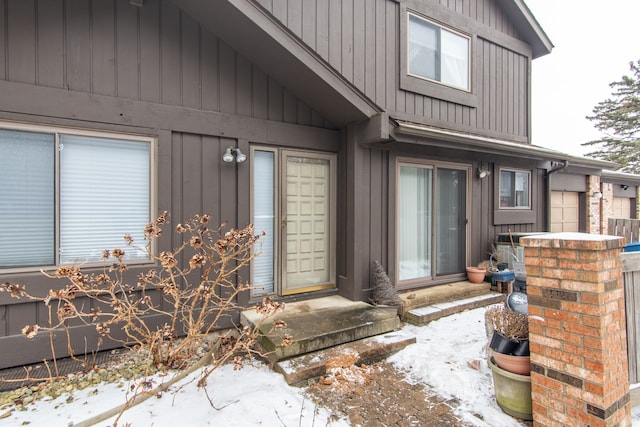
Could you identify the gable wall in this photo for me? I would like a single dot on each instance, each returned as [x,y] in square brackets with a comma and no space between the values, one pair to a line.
[361,39]
[155,53]
[107,65]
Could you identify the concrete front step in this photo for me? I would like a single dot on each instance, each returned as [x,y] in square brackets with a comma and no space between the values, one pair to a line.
[364,351]
[442,293]
[320,323]
[429,313]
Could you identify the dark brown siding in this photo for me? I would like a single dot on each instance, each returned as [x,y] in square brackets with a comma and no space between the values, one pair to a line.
[371,201]
[155,53]
[361,39]
[108,65]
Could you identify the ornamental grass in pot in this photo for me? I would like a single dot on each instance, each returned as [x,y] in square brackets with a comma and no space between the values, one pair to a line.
[509,339]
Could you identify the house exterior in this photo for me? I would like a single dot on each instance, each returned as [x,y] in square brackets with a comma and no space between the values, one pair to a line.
[583,199]
[352,131]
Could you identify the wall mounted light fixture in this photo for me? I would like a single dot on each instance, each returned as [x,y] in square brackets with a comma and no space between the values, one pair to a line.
[232,153]
[597,194]
[482,173]
[625,187]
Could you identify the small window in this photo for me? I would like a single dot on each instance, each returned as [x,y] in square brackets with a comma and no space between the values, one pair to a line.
[438,54]
[67,195]
[515,189]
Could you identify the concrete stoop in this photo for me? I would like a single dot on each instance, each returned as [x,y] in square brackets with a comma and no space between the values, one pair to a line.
[424,315]
[364,351]
[426,305]
[319,324]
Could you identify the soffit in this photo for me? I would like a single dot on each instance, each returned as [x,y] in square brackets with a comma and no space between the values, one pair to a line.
[620,177]
[528,26]
[260,38]
[428,135]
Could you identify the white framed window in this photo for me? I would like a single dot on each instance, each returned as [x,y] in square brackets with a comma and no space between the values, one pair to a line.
[438,53]
[515,189]
[66,195]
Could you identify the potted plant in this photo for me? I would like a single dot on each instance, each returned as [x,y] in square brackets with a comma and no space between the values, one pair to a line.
[509,361]
[510,330]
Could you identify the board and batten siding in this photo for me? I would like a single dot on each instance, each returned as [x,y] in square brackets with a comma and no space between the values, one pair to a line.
[155,53]
[361,39]
[108,65]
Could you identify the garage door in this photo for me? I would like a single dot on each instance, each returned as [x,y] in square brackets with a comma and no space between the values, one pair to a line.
[565,213]
[622,207]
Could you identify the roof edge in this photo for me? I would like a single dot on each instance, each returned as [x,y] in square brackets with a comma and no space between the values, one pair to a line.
[481,143]
[533,31]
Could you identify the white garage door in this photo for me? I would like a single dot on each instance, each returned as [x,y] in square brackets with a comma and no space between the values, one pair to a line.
[622,207]
[565,212]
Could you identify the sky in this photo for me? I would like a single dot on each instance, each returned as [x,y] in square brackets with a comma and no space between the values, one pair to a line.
[594,43]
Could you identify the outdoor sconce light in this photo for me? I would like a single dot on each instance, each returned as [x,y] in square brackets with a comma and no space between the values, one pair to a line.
[230,153]
[597,195]
[624,187]
[482,173]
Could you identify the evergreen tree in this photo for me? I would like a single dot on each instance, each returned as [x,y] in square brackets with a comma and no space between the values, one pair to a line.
[619,118]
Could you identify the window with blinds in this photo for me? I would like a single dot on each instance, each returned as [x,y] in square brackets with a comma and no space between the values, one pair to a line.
[65,197]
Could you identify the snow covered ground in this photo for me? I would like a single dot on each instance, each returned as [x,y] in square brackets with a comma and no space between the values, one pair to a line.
[449,357]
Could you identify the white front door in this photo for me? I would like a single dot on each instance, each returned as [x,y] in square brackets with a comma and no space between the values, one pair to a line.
[307,212]
[293,202]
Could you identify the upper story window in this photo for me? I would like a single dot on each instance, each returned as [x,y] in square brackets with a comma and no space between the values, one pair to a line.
[515,189]
[437,53]
[68,195]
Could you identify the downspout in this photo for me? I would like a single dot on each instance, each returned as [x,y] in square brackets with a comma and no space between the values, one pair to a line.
[563,165]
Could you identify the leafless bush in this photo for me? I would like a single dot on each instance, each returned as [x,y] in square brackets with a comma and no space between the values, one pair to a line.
[191,299]
[508,323]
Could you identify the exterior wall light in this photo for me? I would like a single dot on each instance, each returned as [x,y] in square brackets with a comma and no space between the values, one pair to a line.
[240,156]
[597,195]
[482,173]
[624,187]
[232,153]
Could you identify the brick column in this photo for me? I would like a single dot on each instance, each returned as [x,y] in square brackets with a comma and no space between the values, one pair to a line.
[579,373]
[607,207]
[593,204]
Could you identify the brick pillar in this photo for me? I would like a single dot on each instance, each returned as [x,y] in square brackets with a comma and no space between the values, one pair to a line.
[577,330]
[593,204]
[607,207]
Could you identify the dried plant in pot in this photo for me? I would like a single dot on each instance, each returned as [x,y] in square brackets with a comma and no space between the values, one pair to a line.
[510,330]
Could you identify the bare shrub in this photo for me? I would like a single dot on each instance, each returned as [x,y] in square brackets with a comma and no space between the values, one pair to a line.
[191,297]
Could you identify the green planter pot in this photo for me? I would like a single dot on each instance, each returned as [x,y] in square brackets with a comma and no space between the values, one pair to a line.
[513,392]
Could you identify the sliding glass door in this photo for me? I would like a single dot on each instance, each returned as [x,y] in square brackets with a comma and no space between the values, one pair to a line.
[431,221]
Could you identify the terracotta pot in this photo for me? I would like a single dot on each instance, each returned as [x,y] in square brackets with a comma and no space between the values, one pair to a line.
[520,365]
[476,274]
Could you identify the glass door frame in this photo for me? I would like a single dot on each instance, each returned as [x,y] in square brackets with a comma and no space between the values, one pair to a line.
[280,222]
[434,166]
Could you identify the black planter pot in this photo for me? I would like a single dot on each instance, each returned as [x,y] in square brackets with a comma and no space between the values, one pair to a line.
[505,345]
[522,349]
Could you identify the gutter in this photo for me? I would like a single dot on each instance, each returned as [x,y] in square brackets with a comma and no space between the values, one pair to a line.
[429,135]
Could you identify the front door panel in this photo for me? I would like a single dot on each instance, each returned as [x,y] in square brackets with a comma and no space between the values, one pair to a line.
[308,223]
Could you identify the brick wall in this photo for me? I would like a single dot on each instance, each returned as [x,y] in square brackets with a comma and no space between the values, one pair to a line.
[577,330]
